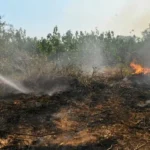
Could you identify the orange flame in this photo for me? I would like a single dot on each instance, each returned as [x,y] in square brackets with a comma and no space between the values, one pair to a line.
[139,69]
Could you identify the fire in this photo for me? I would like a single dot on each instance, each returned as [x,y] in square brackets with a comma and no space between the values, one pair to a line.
[139,69]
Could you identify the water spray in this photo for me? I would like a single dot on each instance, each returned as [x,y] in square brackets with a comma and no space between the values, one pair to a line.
[16,86]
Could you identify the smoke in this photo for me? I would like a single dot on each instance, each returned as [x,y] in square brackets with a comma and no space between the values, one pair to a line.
[132,19]
[89,56]
[36,74]
[25,73]
[47,85]
[144,54]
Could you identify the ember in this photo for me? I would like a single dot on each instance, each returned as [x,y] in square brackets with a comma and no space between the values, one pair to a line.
[139,69]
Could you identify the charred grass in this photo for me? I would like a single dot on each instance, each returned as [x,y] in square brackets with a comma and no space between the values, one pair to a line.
[98,112]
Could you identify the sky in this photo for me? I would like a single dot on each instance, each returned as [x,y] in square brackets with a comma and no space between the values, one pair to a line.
[38,17]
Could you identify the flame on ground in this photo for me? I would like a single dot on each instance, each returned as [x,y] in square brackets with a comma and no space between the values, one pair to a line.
[139,69]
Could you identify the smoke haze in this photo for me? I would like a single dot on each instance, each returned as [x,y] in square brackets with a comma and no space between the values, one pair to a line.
[133,18]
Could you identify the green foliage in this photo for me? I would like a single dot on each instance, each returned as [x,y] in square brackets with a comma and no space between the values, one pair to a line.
[114,49]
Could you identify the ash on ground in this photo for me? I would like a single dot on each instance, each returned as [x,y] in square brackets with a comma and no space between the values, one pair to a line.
[103,114]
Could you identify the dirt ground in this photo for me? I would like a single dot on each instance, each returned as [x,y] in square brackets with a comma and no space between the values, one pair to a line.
[103,115]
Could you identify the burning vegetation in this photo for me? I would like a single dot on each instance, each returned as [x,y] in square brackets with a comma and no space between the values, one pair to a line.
[139,69]
[73,92]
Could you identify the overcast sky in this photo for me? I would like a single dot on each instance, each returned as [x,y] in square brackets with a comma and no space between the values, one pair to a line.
[39,17]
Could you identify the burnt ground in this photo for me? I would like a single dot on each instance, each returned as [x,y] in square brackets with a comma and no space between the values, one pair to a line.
[104,114]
